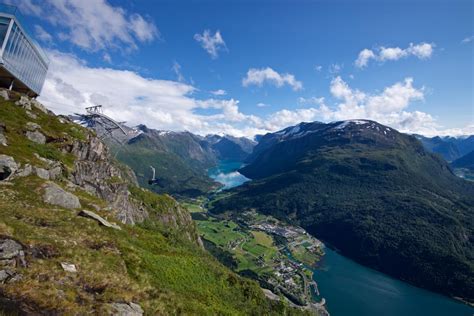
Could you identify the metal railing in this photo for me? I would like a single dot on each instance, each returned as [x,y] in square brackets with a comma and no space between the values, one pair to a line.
[15,12]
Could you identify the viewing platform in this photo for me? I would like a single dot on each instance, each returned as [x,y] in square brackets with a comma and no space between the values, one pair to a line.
[23,63]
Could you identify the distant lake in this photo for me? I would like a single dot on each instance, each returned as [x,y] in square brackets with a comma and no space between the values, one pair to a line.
[227,174]
[352,289]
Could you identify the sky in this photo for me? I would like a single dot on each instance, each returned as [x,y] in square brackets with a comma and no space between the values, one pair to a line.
[251,67]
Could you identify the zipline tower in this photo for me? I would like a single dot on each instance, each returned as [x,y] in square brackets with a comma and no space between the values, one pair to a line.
[23,64]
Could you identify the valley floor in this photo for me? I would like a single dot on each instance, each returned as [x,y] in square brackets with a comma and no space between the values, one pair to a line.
[277,255]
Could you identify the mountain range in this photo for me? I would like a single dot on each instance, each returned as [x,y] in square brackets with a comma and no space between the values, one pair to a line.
[377,195]
[180,159]
[451,148]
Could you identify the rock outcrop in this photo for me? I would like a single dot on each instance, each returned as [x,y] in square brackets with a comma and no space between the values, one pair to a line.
[98,218]
[95,171]
[55,195]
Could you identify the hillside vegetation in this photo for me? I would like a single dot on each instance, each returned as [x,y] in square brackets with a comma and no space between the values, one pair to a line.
[375,194]
[57,182]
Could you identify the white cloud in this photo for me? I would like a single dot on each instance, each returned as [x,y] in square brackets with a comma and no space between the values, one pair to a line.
[318,68]
[72,85]
[211,43]
[259,76]
[468,39]
[177,70]
[364,56]
[262,105]
[94,24]
[42,34]
[382,54]
[219,92]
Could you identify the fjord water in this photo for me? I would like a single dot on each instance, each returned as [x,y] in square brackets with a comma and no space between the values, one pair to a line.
[352,289]
[227,174]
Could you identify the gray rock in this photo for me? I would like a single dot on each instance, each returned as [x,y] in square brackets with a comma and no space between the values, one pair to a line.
[25,171]
[98,218]
[8,167]
[123,309]
[68,267]
[24,102]
[9,276]
[36,137]
[3,140]
[32,126]
[55,195]
[10,249]
[55,172]
[4,95]
[31,115]
[42,173]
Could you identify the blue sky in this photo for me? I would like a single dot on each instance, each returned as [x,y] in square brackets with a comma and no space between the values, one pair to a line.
[279,62]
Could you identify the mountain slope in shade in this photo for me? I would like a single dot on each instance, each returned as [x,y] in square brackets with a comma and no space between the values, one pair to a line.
[231,148]
[466,161]
[372,192]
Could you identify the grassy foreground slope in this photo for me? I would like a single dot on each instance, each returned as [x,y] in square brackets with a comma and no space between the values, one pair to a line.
[152,263]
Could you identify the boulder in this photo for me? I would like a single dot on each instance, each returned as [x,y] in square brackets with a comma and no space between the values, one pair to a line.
[99,219]
[24,102]
[124,309]
[9,276]
[9,249]
[42,173]
[8,167]
[55,195]
[25,171]
[36,137]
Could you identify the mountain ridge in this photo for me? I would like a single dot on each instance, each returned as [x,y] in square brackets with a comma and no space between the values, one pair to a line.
[374,193]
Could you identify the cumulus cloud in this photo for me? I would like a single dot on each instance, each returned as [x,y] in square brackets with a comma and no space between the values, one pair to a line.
[211,43]
[259,76]
[94,24]
[364,56]
[262,105]
[381,54]
[72,85]
[219,92]
[389,107]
